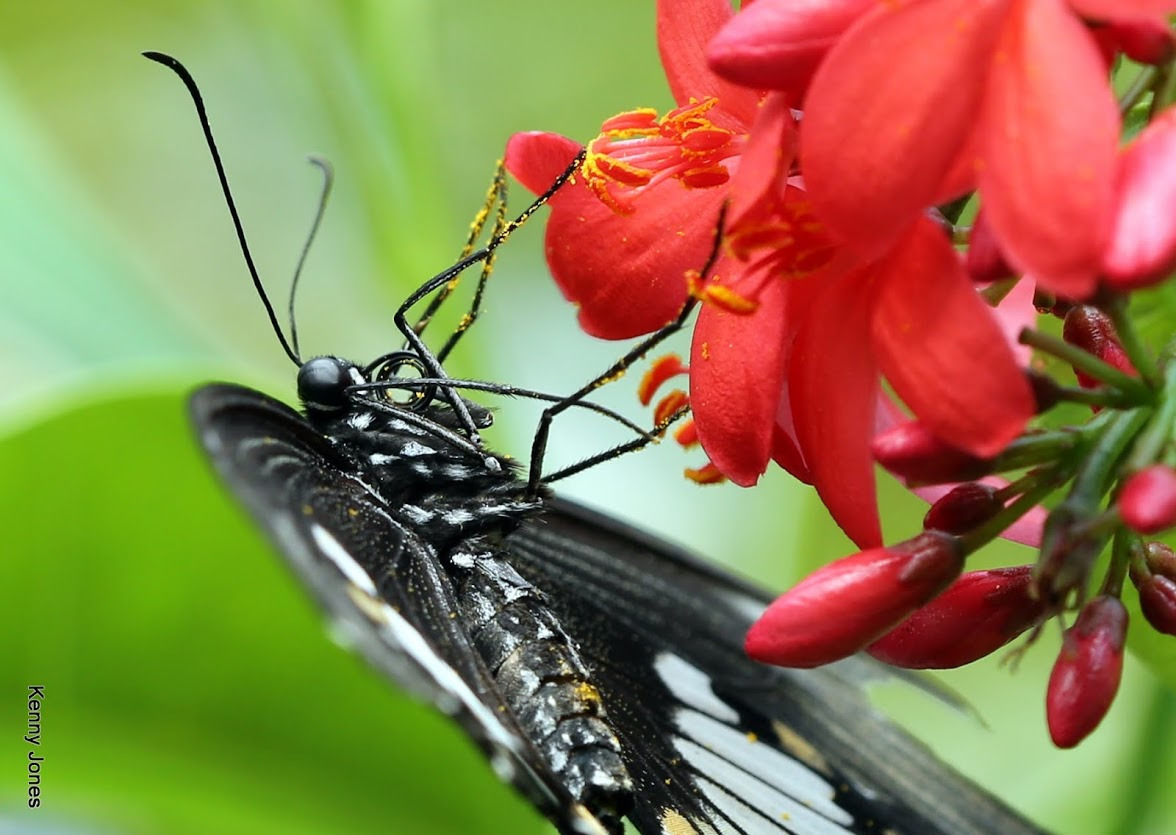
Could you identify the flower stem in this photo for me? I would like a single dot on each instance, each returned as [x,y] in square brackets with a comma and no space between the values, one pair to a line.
[1158,433]
[1120,559]
[1087,363]
[1141,84]
[1095,475]
[1128,335]
[1037,489]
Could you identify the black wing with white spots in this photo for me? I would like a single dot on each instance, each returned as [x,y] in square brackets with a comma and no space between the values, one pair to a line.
[600,670]
[715,742]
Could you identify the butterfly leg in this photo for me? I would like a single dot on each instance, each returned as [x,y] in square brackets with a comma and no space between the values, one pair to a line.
[615,372]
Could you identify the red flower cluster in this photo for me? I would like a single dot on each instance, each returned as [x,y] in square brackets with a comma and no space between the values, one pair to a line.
[840,325]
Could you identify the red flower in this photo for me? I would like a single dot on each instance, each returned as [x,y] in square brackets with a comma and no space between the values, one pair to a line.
[1142,247]
[1009,95]
[1147,501]
[793,332]
[839,609]
[978,614]
[667,176]
[1086,675]
[914,316]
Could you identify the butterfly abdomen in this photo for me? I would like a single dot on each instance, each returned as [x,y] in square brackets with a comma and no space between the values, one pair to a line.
[541,677]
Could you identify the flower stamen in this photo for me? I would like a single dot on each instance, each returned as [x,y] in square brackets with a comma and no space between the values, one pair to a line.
[636,150]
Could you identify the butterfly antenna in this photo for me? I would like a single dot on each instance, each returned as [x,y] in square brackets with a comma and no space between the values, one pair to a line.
[186,77]
[328,173]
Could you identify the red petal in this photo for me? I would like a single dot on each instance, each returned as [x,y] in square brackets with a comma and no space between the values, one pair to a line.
[684,27]
[884,122]
[536,158]
[941,348]
[777,44]
[1142,246]
[839,609]
[736,374]
[834,388]
[1120,9]
[762,175]
[1050,137]
[626,273]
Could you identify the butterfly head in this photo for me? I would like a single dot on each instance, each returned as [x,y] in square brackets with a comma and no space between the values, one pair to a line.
[330,387]
[325,383]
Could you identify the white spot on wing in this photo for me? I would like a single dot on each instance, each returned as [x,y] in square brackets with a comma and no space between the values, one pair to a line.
[413,449]
[691,686]
[337,554]
[759,774]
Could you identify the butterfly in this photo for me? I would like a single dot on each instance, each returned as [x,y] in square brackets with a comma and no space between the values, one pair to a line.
[600,669]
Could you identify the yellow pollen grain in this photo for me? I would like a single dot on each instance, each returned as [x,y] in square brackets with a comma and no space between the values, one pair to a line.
[352,512]
[705,351]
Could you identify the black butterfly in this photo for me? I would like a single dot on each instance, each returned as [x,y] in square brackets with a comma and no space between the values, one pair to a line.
[601,670]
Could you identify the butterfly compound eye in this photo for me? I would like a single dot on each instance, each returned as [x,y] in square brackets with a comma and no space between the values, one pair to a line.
[323,383]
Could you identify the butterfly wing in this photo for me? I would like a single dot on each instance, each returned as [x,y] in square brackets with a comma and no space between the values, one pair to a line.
[385,593]
[718,743]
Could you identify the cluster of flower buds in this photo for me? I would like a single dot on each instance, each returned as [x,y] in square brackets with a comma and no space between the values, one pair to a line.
[854,315]
[1116,484]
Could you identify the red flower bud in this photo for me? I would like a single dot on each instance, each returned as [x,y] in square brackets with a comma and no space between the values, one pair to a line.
[1091,330]
[984,261]
[1147,501]
[914,454]
[839,609]
[978,614]
[1157,599]
[1141,249]
[963,509]
[1161,559]
[1086,675]
[778,46]
[1145,40]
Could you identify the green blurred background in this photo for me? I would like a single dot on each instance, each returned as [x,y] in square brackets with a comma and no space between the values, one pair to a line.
[190,687]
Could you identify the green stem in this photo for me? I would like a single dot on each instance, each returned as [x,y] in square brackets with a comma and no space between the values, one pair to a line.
[1165,90]
[1141,85]
[977,538]
[1087,363]
[1133,346]
[1120,559]
[1158,434]
[1102,397]
[1036,448]
[1095,474]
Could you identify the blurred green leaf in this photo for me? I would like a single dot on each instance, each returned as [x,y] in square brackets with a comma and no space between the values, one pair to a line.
[190,687]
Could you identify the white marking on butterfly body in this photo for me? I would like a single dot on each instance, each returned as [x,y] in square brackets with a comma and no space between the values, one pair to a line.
[414,449]
[360,420]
